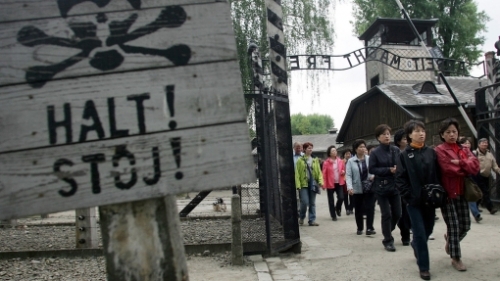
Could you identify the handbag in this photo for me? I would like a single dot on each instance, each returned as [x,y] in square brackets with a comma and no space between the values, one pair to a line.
[366,184]
[313,184]
[472,192]
[434,195]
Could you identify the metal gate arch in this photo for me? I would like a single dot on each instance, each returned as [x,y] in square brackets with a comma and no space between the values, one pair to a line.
[277,192]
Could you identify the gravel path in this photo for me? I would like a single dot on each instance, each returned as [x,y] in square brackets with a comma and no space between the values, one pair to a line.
[39,238]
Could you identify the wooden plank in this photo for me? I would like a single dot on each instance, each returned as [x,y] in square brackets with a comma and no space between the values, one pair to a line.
[209,157]
[200,98]
[47,49]
[130,255]
[15,10]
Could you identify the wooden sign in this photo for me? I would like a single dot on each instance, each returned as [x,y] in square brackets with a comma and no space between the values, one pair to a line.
[109,101]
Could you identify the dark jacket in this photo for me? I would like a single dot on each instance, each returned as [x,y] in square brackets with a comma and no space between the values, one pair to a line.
[411,178]
[382,158]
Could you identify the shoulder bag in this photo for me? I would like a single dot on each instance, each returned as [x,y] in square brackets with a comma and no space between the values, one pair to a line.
[433,195]
[366,184]
[472,192]
[313,184]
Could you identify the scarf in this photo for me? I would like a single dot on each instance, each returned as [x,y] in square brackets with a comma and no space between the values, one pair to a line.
[417,145]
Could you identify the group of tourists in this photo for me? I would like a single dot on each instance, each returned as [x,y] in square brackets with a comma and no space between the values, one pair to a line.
[402,178]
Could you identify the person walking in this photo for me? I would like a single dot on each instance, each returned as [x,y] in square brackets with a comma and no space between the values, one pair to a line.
[334,181]
[416,167]
[383,165]
[455,164]
[357,172]
[473,206]
[307,172]
[297,152]
[487,163]
[404,223]
[348,199]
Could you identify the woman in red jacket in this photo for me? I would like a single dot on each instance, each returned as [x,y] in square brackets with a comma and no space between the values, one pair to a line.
[455,164]
[334,181]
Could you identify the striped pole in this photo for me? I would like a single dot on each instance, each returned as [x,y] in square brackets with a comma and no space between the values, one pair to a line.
[277,52]
[492,97]
[281,110]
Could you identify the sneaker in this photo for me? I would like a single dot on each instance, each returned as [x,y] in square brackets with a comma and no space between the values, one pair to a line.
[478,218]
[313,223]
[301,222]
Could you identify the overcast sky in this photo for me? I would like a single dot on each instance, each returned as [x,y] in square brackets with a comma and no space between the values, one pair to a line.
[338,88]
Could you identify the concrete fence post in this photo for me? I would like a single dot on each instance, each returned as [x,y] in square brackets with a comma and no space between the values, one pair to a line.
[86,228]
[236,242]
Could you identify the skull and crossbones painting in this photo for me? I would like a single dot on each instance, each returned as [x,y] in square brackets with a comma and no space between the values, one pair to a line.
[102,54]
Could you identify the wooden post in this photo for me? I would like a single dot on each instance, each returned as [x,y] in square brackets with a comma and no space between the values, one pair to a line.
[86,228]
[236,242]
[142,241]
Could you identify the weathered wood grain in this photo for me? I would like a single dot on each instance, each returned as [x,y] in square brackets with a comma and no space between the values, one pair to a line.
[201,97]
[131,257]
[15,10]
[206,32]
[210,157]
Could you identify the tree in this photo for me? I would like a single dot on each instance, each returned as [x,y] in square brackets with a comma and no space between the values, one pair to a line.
[458,30]
[311,124]
[306,25]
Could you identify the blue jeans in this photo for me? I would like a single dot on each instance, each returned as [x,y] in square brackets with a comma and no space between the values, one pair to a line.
[307,199]
[473,209]
[422,224]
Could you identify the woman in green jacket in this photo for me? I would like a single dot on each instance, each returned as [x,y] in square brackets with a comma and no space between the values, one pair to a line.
[306,170]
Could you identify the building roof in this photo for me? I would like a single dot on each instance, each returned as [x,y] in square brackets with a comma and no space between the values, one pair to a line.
[321,142]
[406,95]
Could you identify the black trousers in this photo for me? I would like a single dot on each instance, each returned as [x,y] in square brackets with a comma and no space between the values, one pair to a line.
[331,200]
[484,185]
[348,201]
[390,208]
[364,201]
[404,223]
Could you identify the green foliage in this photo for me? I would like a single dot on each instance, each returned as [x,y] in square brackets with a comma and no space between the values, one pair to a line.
[311,124]
[306,25]
[458,30]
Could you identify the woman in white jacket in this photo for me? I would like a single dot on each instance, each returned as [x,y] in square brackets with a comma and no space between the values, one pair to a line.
[356,172]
